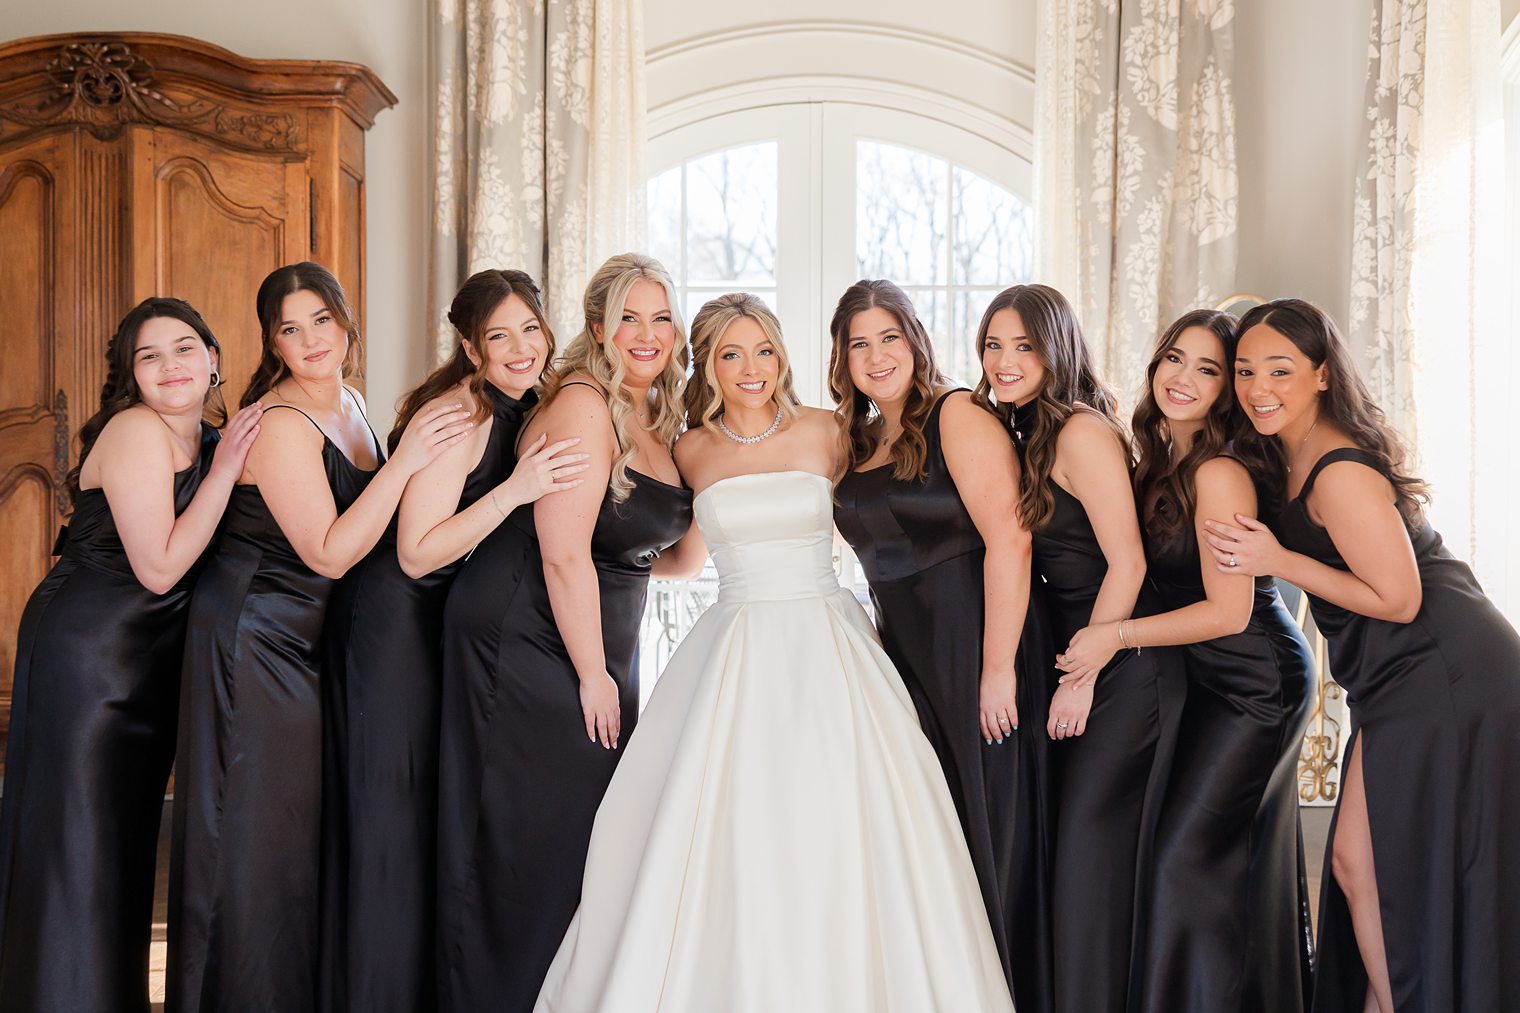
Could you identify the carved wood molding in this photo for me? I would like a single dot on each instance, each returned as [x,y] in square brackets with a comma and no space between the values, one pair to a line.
[105,80]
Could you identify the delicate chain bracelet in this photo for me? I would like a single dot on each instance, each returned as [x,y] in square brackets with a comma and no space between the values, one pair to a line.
[495,503]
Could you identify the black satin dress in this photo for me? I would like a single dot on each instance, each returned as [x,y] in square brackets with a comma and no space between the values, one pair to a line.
[248,782]
[1435,708]
[384,664]
[93,711]
[519,781]
[1230,918]
[1106,786]
[925,560]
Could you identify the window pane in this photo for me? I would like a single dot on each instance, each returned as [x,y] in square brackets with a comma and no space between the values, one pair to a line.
[901,214]
[665,221]
[731,216]
[994,233]
[932,308]
[960,360]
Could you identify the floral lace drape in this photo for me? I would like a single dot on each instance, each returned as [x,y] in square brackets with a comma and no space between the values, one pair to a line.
[1427,314]
[1135,177]
[538,146]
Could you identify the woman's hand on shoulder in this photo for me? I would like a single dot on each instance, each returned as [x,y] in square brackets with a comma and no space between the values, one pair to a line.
[237,440]
[432,431]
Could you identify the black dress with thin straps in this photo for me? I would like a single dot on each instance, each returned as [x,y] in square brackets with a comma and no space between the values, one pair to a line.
[1435,712]
[519,781]
[93,713]
[924,559]
[1229,923]
[1106,785]
[384,662]
[248,780]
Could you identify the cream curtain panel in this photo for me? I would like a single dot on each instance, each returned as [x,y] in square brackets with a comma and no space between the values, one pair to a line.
[538,146]
[1135,181]
[1428,295]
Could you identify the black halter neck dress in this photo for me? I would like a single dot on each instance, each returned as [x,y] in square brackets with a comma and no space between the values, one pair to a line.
[384,665]
[1106,785]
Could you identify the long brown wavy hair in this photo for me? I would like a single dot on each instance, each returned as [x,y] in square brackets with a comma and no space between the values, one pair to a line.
[1072,384]
[1346,402]
[600,359]
[860,422]
[704,399]
[120,390]
[1165,488]
[480,296]
[288,280]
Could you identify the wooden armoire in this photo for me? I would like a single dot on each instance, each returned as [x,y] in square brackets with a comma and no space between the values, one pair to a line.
[136,164]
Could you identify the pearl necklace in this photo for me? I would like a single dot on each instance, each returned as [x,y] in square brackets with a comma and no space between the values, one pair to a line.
[723,428]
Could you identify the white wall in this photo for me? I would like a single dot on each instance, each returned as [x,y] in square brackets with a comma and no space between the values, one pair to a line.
[388,36]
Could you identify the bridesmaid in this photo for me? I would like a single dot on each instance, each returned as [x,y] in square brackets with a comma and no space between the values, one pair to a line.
[97,671]
[312,501]
[540,646]
[384,649]
[1420,907]
[1229,929]
[1075,498]
[928,500]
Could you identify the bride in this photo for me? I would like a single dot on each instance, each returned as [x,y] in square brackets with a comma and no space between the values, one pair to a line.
[779,835]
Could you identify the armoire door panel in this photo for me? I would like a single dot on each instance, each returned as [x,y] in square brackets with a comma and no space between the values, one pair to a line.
[35,179]
[222,223]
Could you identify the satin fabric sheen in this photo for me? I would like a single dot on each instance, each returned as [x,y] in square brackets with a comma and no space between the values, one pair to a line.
[519,780]
[1435,704]
[1106,786]
[383,643]
[1230,926]
[93,716]
[779,836]
[247,795]
[925,559]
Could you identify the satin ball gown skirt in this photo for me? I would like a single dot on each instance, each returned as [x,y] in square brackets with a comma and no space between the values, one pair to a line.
[779,835]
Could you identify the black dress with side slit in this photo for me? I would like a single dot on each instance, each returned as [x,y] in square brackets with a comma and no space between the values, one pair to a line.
[1107,784]
[1435,713]
[93,712]
[1229,925]
[243,884]
[384,663]
[924,559]
[519,781]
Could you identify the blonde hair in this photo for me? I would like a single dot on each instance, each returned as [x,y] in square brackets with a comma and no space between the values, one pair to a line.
[599,359]
[704,398]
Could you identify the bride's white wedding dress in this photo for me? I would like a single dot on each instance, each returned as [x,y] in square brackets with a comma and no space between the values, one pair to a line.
[779,836]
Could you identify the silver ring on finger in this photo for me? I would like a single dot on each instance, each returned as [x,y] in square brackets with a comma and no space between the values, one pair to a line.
[1232,560]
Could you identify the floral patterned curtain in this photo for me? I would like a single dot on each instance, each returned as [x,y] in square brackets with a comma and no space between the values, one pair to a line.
[1135,182]
[1427,311]
[538,146]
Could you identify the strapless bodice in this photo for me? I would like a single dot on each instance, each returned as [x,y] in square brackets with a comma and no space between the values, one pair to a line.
[770,535]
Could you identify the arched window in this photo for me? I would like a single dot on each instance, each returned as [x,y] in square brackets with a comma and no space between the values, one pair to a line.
[794,202]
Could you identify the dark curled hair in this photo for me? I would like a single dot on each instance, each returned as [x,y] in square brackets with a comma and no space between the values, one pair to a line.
[1166,488]
[1346,402]
[119,392]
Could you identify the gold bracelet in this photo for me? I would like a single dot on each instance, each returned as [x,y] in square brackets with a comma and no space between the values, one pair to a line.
[495,503]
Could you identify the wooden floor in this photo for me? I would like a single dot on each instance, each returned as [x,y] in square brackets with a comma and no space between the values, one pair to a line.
[1316,827]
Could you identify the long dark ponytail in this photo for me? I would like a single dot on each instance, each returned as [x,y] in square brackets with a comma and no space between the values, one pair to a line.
[120,392]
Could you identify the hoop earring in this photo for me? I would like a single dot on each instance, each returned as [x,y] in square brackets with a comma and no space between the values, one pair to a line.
[216,379]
